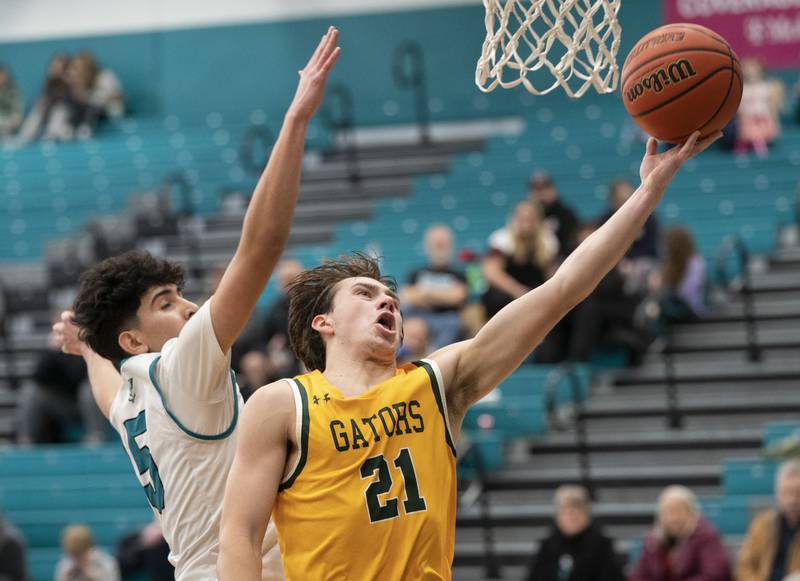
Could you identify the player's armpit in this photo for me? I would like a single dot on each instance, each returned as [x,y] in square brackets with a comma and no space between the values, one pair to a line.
[261,454]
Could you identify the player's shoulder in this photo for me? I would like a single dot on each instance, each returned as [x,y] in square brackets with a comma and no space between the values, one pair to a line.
[273,396]
[270,409]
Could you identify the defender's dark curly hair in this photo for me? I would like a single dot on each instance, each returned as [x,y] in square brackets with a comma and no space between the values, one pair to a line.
[311,294]
[110,293]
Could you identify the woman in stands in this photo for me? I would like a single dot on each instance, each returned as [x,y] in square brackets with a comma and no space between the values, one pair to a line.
[521,257]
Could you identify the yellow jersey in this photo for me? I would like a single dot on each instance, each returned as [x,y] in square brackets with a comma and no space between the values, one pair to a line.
[373,492]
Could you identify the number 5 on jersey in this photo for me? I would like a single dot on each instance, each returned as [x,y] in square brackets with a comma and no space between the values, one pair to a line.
[413,502]
[144,461]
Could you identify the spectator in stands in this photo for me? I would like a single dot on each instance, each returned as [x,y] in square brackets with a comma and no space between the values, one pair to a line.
[576,549]
[520,257]
[146,551]
[82,560]
[415,341]
[758,122]
[96,94]
[437,291]
[10,104]
[681,281]
[52,112]
[606,317]
[57,397]
[642,257]
[252,372]
[683,546]
[559,216]
[264,348]
[12,553]
[771,550]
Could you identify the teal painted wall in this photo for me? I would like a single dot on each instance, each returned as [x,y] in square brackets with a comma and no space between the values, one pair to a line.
[244,67]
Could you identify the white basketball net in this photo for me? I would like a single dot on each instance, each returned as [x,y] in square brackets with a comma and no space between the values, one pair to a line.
[575,40]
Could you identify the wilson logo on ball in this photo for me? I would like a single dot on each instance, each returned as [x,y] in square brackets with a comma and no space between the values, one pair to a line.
[671,74]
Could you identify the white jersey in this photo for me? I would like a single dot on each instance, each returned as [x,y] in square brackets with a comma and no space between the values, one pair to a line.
[176,414]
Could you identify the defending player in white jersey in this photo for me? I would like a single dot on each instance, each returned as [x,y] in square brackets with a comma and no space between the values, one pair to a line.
[174,400]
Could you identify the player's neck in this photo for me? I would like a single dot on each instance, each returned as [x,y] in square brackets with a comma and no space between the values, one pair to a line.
[353,375]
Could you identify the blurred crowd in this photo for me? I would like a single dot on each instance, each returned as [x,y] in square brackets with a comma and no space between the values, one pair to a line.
[77,94]
[682,545]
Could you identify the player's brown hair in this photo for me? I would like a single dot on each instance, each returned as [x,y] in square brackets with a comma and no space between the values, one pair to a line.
[312,293]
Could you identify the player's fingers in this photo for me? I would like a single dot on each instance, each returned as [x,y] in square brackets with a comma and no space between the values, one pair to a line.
[330,46]
[332,58]
[318,51]
[688,147]
[66,316]
[652,146]
[706,142]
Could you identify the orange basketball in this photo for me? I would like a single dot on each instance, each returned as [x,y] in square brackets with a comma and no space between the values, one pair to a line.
[681,78]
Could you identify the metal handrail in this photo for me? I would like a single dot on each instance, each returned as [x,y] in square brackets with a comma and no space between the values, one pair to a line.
[554,378]
[247,158]
[480,489]
[339,116]
[414,77]
[735,244]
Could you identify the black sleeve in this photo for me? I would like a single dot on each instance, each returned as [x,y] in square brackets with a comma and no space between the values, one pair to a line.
[541,563]
[12,562]
[611,565]
[130,554]
[413,276]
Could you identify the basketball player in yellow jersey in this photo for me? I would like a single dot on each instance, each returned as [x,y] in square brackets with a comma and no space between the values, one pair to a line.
[356,460]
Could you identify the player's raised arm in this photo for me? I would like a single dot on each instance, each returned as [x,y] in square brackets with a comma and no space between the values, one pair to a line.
[104,378]
[269,216]
[473,368]
[253,481]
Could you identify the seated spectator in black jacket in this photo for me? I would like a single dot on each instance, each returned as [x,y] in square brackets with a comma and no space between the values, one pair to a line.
[559,216]
[642,258]
[145,551]
[58,396]
[606,317]
[576,549]
[437,291]
[12,553]
[51,114]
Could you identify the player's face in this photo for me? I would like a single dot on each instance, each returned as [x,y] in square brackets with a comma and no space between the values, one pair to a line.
[162,314]
[675,516]
[366,317]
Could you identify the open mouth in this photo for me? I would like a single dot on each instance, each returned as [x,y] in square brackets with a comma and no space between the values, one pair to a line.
[387,322]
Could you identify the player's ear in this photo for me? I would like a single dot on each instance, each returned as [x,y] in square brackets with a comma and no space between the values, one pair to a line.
[322,324]
[132,343]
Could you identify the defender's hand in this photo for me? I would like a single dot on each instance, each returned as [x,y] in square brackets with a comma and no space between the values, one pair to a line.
[313,77]
[658,169]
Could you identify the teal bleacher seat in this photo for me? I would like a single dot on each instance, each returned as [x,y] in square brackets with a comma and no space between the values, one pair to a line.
[42,490]
[744,476]
[774,432]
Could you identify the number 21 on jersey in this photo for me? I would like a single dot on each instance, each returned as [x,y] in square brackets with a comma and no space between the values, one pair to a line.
[389,510]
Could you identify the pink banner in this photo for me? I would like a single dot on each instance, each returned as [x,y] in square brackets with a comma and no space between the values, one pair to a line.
[766,29]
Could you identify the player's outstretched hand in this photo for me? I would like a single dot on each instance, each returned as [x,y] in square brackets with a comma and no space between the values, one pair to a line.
[658,169]
[65,335]
[313,77]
